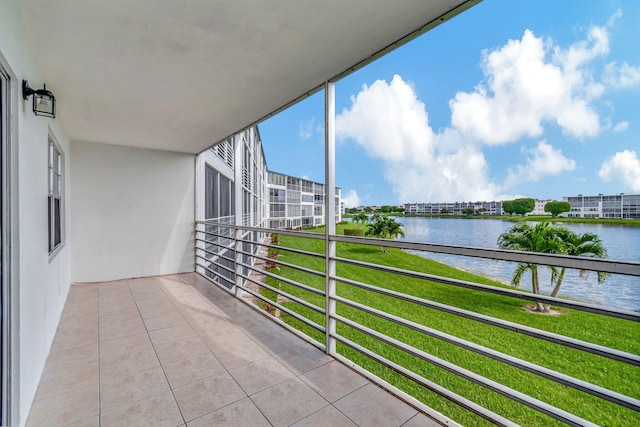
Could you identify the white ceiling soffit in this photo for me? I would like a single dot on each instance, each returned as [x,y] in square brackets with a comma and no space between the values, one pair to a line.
[181,75]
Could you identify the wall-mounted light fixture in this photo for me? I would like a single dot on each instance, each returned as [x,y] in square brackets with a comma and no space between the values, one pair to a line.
[44,103]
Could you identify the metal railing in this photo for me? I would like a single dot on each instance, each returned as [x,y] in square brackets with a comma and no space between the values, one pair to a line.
[367,323]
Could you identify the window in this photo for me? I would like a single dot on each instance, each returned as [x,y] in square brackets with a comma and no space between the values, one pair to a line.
[219,197]
[55,196]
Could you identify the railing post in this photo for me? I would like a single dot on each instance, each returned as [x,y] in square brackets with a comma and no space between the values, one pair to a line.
[238,218]
[237,235]
[330,214]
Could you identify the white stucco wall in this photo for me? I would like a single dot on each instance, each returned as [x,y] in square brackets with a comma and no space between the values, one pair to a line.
[132,213]
[40,285]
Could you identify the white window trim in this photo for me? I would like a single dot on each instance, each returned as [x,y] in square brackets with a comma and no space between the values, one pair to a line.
[51,139]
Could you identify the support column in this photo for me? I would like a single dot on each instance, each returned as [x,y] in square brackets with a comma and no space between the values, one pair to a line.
[330,213]
[238,151]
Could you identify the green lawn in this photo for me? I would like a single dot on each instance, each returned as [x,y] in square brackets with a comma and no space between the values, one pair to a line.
[615,333]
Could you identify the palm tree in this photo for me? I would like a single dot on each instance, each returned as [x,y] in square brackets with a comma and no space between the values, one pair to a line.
[384,227]
[541,238]
[361,218]
[587,245]
[546,238]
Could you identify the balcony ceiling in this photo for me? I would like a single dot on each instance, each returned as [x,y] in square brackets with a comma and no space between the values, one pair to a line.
[181,75]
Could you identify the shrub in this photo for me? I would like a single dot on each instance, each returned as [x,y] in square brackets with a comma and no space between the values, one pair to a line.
[354,232]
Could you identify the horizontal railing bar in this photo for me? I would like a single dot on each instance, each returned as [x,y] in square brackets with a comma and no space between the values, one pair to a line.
[289,281]
[224,267]
[559,260]
[286,264]
[208,242]
[286,310]
[215,220]
[214,254]
[489,384]
[217,274]
[588,347]
[576,305]
[209,233]
[582,263]
[541,371]
[296,251]
[436,388]
[285,294]
[306,234]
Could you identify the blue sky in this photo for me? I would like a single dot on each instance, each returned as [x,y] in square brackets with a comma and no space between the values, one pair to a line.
[511,98]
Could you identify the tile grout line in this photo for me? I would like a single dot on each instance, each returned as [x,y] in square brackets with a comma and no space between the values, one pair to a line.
[99,360]
[184,421]
[226,370]
[271,355]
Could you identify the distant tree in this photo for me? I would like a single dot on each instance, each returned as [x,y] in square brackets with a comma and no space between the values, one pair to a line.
[445,211]
[481,211]
[361,218]
[508,207]
[519,206]
[555,208]
[385,209]
[368,209]
[351,210]
[384,227]
[468,211]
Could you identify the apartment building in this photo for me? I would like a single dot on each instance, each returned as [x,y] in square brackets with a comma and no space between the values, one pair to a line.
[455,208]
[622,206]
[297,202]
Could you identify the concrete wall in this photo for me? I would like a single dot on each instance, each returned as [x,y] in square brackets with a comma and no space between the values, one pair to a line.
[39,284]
[132,212]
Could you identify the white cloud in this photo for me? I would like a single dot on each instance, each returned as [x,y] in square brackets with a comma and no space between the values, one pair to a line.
[530,82]
[621,127]
[624,167]
[542,161]
[388,120]
[391,124]
[351,199]
[620,77]
[306,128]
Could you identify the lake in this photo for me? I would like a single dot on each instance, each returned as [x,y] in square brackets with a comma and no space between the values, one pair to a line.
[622,244]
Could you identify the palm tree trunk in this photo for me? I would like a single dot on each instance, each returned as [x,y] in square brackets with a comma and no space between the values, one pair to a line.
[535,287]
[556,289]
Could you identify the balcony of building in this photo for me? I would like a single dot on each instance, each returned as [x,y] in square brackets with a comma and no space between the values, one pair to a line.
[142,88]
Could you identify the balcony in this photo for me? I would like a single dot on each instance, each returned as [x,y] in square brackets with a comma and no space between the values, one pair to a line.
[176,350]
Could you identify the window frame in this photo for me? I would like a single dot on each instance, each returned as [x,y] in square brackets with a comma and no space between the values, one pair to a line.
[55,192]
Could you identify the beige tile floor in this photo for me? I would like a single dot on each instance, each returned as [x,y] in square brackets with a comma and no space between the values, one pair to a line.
[177,351]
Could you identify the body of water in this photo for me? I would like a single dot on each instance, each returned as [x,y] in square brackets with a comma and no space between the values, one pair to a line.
[622,243]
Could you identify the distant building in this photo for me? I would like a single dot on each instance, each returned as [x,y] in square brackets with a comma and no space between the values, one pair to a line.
[539,208]
[296,202]
[483,208]
[604,206]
